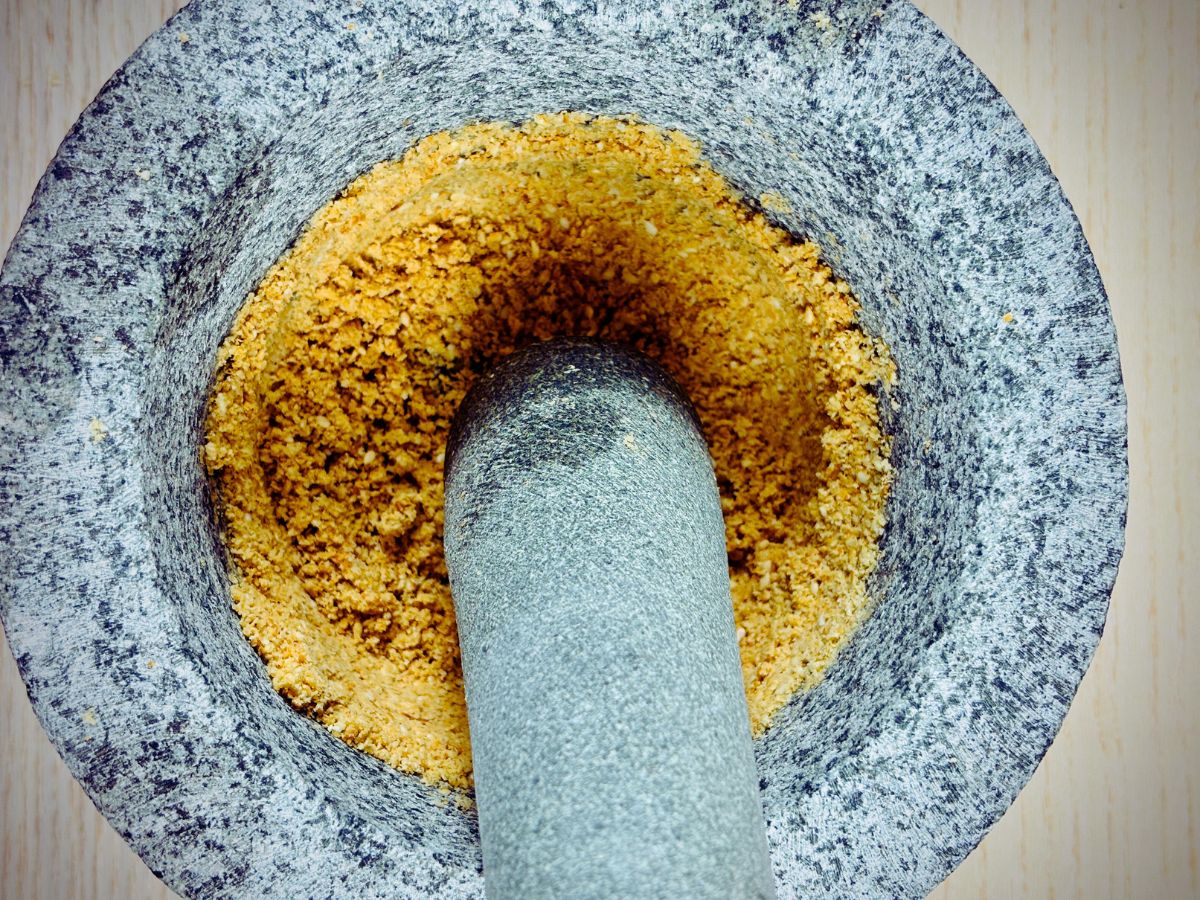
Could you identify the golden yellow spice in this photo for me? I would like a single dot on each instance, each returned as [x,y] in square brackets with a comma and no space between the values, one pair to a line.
[327,428]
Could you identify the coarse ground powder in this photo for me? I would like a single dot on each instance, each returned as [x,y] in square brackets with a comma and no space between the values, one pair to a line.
[334,393]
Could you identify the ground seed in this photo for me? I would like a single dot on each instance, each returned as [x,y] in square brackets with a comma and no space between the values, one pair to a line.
[336,387]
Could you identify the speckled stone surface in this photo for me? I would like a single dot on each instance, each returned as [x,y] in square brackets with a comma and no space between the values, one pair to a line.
[586,550]
[196,167]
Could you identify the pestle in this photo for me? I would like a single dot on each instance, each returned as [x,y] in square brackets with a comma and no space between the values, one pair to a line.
[586,551]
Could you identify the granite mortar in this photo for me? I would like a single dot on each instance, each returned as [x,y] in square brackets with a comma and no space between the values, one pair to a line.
[196,167]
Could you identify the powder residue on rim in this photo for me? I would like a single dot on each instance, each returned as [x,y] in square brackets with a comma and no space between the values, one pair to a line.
[335,389]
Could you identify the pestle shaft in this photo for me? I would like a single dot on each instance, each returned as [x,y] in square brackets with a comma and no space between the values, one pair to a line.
[586,550]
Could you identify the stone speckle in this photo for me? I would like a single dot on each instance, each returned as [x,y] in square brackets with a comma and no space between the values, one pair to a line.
[1006,518]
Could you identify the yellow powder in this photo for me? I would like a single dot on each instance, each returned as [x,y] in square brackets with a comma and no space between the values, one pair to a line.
[327,428]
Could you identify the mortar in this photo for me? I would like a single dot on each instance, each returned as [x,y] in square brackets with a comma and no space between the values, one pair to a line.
[197,166]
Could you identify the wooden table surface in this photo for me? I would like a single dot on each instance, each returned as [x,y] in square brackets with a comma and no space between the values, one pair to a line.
[1110,89]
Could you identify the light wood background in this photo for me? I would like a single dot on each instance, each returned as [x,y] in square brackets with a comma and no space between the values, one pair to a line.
[1111,92]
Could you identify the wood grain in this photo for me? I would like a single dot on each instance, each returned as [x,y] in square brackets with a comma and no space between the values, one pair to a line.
[1111,92]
